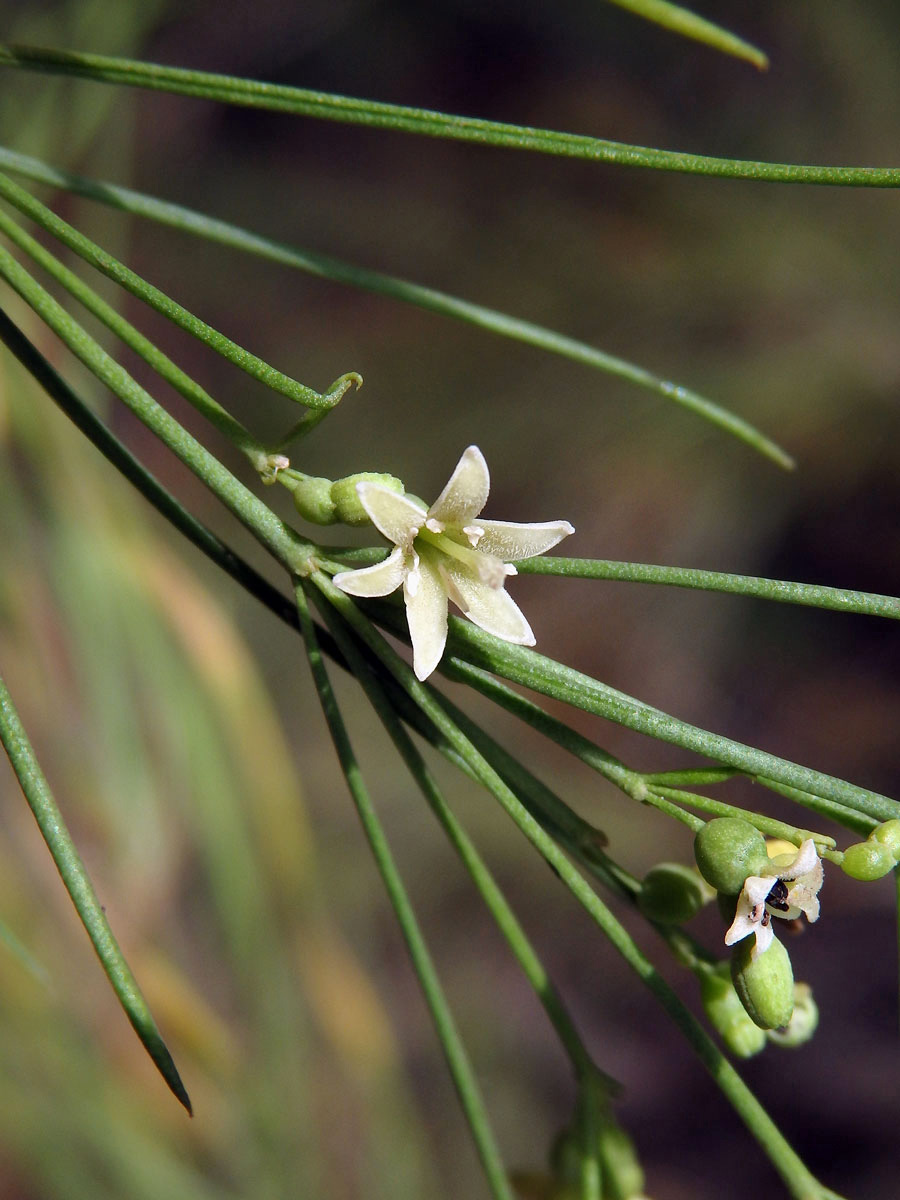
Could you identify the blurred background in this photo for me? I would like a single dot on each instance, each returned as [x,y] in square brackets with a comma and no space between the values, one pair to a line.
[176,720]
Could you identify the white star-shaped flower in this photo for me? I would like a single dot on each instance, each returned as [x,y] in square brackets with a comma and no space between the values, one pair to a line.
[789,889]
[448,552]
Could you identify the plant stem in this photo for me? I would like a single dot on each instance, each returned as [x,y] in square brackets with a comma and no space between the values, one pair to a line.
[128,279]
[503,915]
[799,1179]
[326,106]
[454,1050]
[816,595]
[126,332]
[202,225]
[282,541]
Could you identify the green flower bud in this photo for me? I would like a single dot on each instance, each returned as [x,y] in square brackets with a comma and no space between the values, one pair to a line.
[727,1015]
[803,1022]
[623,1175]
[888,834]
[867,860]
[312,499]
[728,850]
[671,894]
[348,506]
[765,984]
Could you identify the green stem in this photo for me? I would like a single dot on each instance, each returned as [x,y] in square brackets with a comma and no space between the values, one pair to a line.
[496,902]
[329,107]
[816,595]
[850,818]
[532,670]
[77,883]
[137,474]
[126,278]
[200,225]
[766,825]
[794,1172]
[454,1050]
[126,332]
[282,541]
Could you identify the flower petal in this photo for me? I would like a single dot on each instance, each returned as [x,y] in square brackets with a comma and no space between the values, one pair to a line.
[750,915]
[805,861]
[380,580]
[466,491]
[393,515]
[426,614]
[488,607]
[742,926]
[765,936]
[510,541]
[802,898]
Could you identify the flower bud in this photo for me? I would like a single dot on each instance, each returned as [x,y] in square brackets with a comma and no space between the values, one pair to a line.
[312,499]
[671,894]
[727,1015]
[765,984]
[623,1175]
[348,506]
[803,1022]
[867,860]
[728,850]
[888,834]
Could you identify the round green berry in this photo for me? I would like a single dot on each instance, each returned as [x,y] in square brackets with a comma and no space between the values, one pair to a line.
[727,850]
[888,835]
[867,860]
[765,984]
[670,894]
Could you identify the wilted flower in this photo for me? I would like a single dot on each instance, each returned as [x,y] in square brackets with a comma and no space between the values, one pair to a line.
[789,888]
[445,553]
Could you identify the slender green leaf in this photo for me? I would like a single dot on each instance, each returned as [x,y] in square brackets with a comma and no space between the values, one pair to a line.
[146,483]
[471,646]
[200,225]
[282,541]
[152,296]
[690,25]
[454,1050]
[327,106]
[815,595]
[497,904]
[78,885]
[168,370]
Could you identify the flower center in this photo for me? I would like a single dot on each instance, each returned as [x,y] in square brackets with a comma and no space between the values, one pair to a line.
[485,567]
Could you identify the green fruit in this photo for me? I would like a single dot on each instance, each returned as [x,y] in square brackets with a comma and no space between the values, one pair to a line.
[867,860]
[728,1016]
[727,850]
[670,894]
[765,984]
[888,834]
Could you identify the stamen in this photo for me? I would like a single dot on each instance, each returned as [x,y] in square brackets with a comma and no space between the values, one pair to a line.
[488,569]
